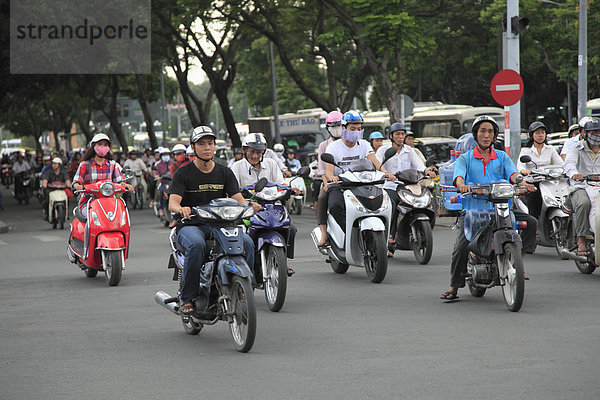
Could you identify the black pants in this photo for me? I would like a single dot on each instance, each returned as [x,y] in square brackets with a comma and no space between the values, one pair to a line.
[534,202]
[460,252]
[337,206]
[395,199]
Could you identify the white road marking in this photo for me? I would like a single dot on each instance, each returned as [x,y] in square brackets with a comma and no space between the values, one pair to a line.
[49,238]
[2,243]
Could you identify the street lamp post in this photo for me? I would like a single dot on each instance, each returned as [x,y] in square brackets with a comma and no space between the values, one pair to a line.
[582,62]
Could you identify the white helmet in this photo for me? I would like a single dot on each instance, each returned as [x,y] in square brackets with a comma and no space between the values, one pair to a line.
[57,160]
[255,141]
[278,148]
[98,137]
[201,131]
[583,120]
[164,150]
[190,151]
[179,149]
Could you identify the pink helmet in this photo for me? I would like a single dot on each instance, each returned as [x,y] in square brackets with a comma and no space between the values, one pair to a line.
[334,118]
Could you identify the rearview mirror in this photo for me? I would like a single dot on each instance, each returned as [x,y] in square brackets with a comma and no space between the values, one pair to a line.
[328,158]
[525,159]
[261,184]
[389,153]
[303,171]
[430,161]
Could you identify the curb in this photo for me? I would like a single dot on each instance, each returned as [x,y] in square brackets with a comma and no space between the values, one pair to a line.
[3,227]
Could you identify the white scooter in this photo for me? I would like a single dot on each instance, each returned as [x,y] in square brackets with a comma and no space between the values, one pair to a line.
[296,202]
[368,213]
[58,204]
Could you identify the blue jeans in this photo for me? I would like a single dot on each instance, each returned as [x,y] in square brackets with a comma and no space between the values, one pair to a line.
[192,238]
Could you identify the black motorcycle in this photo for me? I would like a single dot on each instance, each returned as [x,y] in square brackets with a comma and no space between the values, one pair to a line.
[23,190]
[226,278]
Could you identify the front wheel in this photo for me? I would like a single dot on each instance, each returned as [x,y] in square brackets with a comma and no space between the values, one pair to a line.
[298,206]
[376,260]
[560,241]
[276,278]
[513,273]
[583,267]
[113,266]
[91,272]
[422,241]
[242,323]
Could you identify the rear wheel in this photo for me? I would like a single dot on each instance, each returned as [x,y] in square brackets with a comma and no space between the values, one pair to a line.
[242,323]
[113,266]
[558,232]
[190,327]
[422,241]
[513,272]
[338,267]
[583,267]
[61,215]
[91,273]
[276,279]
[376,260]
[476,291]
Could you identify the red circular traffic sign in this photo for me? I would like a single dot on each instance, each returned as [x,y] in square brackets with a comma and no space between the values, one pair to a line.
[507,87]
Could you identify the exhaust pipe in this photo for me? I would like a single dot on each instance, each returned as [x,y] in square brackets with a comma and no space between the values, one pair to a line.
[316,237]
[573,256]
[168,302]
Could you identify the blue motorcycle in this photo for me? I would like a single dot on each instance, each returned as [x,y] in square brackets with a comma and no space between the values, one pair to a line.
[226,278]
[270,229]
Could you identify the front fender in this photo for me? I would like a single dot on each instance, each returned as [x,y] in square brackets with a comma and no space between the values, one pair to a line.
[505,236]
[556,213]
[110,241]
[232,265]
[269,237]
[372,224]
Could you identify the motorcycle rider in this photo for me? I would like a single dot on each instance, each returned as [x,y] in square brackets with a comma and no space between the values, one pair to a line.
[55,174]
[194,184]
[376,140]
[20,165]
[191,155]
[161,168]
[136,164]
[542,155]
[333,125]
[582,159]
[574,139]
[291,162]
[179,157]
[238,154]
[279,149]
[405,158]
[97,164]
[482,165]
[409,140]
[346,152]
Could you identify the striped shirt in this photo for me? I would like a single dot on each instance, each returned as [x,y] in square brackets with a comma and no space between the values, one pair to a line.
[91,172]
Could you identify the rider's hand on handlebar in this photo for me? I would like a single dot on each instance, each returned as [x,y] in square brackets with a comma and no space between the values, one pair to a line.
[429,171]
[463,188]
[332,179]
[257,207]
[525,172]
[577,177]
[530,187]
[185,212]
[390,177]
[129,187]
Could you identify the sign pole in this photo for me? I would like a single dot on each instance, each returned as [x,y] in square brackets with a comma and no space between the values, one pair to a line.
[507,129]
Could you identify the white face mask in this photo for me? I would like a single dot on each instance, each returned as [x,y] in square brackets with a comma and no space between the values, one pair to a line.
[336,131]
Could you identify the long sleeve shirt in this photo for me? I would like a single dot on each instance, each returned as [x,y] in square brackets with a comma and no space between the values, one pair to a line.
[548,156]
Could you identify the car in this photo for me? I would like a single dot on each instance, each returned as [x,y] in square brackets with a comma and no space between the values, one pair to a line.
[439,147]
[304,143]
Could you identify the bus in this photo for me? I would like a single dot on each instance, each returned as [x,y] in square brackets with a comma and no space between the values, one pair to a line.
[453,122]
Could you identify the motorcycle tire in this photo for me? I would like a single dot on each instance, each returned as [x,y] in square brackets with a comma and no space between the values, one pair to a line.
[422,245]
[113,266]
[513,289]
[91,272]
[338,267]
[476,291]
[60,215]
[276,280]
[297,206]
[376,261]
[583,267]
[242,322]
[189,326]
[559,241]
[139,199]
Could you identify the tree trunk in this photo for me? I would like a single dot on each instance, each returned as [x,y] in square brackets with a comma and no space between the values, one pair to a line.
[221,89]
[143,99]
[112,114]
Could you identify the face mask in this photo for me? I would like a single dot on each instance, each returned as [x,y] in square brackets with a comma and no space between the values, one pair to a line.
[101,151]
[336,131]
[165,158]
[352,136]
[593,140]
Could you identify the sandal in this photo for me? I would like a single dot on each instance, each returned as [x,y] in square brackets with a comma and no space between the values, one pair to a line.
[290,272]
[187,308]
[583,252]
[449,296]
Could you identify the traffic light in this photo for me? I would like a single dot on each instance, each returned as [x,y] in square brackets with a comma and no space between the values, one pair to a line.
[519,24]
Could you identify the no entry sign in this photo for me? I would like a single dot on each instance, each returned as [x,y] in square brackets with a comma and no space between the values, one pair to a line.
[507,87]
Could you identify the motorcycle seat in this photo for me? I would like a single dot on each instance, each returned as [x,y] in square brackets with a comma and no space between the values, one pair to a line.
[79,215]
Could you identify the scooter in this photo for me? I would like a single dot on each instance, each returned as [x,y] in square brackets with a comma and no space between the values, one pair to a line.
[99,240]
[226,278]
[368,213]
[495,246]
[296,202]
[7,175]
[552,222]
[269,228]
[415,215]
[23,190]
[58,204]
[166,216]
[136,199]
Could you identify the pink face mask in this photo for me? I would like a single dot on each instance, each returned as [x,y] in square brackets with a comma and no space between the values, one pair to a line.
[101,151]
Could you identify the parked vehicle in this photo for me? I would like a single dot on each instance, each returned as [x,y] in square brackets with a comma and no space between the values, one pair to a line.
[226,277]
[368,213]
[99,240]
[495,246]
[58,204]
[416,215]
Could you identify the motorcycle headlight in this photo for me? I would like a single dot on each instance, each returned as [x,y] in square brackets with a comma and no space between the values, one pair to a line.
[204,214]
[366,176]
[248,213]
[555,172]
[416,201]
[356,203]
[228,213]
[550,201]
[95,218]
[107,189]
[502,191]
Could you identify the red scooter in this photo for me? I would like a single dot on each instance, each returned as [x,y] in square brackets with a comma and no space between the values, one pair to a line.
[99,241]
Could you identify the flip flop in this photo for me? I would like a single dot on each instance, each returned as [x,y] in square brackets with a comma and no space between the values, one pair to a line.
[187,309]
[449,296]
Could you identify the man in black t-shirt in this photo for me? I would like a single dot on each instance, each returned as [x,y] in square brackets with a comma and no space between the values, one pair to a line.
[194,184]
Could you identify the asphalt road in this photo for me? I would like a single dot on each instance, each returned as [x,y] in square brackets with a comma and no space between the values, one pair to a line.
[64,336]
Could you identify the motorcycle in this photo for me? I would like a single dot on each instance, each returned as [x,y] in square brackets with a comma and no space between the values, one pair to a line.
[99,240]
[585,264]
[58,204]
[552,222]
[23,190]
[495,246]
[166,216]
[368,215]
[296,201]
[136,199]
[269,228]
[226,278]
[7,175]
[415,215]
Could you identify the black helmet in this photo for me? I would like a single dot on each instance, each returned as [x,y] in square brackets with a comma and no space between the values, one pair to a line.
[237,150]
[592,125]
[534,127]
[480,120]
[396,126]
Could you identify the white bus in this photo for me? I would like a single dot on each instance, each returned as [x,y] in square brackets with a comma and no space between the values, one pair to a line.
[452,123]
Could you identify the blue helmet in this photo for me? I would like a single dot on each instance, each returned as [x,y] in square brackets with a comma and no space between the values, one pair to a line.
[376,135]
[352,117]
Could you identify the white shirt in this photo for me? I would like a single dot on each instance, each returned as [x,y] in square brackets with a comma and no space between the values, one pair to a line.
[269,153]
[346,157]
[581,160]
[135,165]
[549,156]
[322,149]
[16,167]
[246,174]
[406,159]
[569,143]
